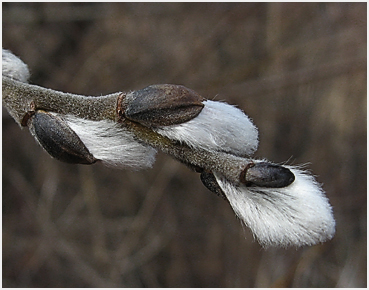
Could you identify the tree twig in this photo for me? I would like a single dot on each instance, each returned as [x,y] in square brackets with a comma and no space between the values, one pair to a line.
[21,98]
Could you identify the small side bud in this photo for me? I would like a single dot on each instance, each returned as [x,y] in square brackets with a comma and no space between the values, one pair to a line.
[265,174]
[58,139]
[210,182]
[163,105]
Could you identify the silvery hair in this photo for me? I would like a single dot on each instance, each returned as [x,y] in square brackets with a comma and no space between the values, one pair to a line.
[219,127]
[113,145]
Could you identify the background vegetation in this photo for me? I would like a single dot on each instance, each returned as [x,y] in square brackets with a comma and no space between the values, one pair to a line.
[298,70]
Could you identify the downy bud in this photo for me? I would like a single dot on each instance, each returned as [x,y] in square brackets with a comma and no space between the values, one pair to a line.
[295,215]
[13,67]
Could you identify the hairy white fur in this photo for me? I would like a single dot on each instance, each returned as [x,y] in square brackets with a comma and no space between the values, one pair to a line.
[14,67]
[218,127]
[296,215]
[113,145]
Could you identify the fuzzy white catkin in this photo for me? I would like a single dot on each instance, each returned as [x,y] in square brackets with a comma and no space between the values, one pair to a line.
[13,67]
[219,127]
[112,144]
[296,215]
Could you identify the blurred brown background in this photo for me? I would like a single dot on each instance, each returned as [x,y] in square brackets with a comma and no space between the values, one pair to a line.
[298,70]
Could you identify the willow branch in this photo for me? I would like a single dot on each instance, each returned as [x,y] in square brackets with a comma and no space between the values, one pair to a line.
[20,98]
[283,205]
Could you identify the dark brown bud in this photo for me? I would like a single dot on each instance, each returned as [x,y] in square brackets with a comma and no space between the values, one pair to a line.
[163,105]
[210,182]
[265,174]
[58,139]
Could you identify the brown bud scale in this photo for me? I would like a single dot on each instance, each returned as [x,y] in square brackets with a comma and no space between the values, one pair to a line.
[58,139]
[162,105]
[265,174]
